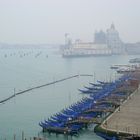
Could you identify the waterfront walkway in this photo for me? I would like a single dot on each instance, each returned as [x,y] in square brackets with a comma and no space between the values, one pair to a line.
[126,118]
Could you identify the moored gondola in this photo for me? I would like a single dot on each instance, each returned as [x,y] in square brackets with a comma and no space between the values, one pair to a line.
[87,91]
[86,111]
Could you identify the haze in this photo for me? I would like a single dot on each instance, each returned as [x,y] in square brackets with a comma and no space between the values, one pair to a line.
[46,21]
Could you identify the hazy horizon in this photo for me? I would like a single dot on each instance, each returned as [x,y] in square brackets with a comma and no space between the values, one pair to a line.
[46,21]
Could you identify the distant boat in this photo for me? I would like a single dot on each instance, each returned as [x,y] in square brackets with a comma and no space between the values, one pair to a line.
[125,70]
[114,67]
[120,66]
[135,60]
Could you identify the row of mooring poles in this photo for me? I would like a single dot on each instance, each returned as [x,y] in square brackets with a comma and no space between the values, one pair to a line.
[22,137]
[35,138]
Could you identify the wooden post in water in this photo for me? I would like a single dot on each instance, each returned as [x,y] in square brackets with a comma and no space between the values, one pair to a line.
[22,135]
[69,97]
[14,136]
[14,91]
[94,77]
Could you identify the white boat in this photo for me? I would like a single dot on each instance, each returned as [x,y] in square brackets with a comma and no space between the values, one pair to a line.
[123,66]
[126,70]
[135,60]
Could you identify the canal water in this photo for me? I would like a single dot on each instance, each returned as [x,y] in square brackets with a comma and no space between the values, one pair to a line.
[24,68]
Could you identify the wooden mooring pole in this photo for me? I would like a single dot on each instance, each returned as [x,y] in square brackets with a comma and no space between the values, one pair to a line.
[14,136]
[22,135]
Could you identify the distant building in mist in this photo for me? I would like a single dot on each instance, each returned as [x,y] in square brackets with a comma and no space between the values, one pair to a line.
[132,48]
[113,41]
[100,37]
[105,43]
[111,38]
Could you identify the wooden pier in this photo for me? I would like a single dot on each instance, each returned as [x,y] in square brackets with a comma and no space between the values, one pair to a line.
[57,130]
[83,120]
[105,110]
[111,102]
[38,138]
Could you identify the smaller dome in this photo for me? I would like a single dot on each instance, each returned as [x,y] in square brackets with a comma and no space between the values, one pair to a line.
[112,26]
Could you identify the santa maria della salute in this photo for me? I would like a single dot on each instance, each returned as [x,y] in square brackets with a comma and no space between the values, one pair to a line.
[104,44]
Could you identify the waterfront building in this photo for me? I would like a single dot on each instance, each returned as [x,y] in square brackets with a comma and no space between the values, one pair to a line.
[86,49]
[105,43]
[132,48]
[113,41]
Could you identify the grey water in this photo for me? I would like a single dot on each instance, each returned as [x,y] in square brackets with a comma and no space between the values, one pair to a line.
[24,68]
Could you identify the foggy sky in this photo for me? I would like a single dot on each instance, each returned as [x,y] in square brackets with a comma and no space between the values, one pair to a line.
[46,21]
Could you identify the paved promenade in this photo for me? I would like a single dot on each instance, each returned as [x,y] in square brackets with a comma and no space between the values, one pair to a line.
[127,118]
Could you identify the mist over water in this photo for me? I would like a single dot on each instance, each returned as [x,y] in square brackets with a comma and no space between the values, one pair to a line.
[46,21]
[24,112]
[32,32]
